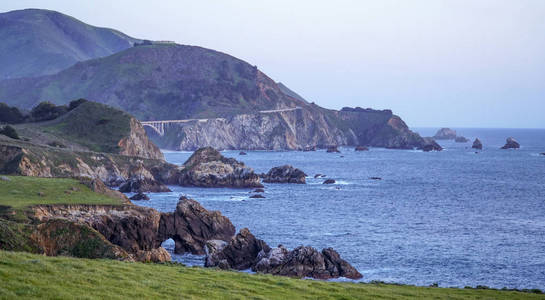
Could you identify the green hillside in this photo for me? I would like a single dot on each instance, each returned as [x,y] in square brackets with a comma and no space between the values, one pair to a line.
[37,42]
[29,276]
[164,81]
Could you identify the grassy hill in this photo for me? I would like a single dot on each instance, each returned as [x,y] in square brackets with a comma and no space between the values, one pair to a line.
[37,42]
[29,276]
[157,82]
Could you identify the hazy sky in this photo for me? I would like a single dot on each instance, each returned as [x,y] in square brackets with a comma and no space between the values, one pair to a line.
[473,63]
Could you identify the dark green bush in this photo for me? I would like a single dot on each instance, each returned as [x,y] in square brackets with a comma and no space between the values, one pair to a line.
[10,132]
[47,111]
[76,103]
[10,115]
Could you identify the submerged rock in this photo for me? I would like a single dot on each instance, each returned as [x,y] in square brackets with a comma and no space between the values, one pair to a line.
[256,196]
[461,139]
[259,190]
[361,148]
[285,174]
[329,181]
[139,196]
[242,153]
[511,143]
[445,134]
[333,149]
[542,153]
[477,144]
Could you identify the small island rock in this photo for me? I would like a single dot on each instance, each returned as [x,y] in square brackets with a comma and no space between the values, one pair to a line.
[445,134]
[461,139]
[285,174]
[477,144]
[139,196]
[511,143]
[329,181]
[332,149]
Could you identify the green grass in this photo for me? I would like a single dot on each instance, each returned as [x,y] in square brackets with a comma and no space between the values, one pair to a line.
[23,191]
[30,276]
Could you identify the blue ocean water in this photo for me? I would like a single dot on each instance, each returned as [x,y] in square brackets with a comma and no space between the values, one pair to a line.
[455,217]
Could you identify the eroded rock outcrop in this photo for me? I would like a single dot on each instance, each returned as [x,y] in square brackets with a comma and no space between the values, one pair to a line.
[208,168]
[191,226]
[284,174]
[245,251]
[511,143]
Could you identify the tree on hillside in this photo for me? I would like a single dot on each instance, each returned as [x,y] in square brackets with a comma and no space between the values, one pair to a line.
[10,115]
[47,111]
[9,132]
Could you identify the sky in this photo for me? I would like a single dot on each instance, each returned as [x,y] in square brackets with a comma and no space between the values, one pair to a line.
[455,63]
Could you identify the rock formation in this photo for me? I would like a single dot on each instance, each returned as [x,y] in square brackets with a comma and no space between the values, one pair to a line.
[139,196]
[191,226]
[461,139]
[208,168]
[329,181]
[511,143]
[332,149]
[445,134]
[477,144]
[430,145]
[245,251]
[285,174]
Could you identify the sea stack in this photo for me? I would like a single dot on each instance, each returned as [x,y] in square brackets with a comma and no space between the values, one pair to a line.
[477,144]
[511,143]
[445,134]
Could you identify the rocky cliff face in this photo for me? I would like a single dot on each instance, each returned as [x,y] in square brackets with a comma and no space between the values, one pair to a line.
[138,144]
[293,129]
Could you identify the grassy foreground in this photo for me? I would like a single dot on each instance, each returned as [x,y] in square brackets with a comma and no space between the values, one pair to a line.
[22,191]
[24,275]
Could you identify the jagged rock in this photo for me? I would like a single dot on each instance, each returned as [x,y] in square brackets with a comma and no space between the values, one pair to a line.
[329,181]
[461,139]
[245,251]
[240,253]
[318,175]
[511,143]
[361,148]
[285,174]
[477,144]
[208,168]
[259,191]
[257,196]
[304,262]
[333,149]
[445,134]
[191,225]
[242,153]
[155,255]
[139,196]
[430,145]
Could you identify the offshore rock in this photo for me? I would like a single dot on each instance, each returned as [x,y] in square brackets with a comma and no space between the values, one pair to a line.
[329,181]
[139,196]
[208,168]
[511,143]
[332,149]
[245,251]
[361,148]
[461,139]
[430,145]
[304,262]
[285,174]
[477,144]
[445,134]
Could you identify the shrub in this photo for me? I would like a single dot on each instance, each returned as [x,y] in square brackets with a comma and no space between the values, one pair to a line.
[10,115]
[76,103]
[9,132]
[47,111]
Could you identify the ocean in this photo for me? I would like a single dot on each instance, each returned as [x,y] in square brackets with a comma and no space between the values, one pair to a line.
[456,217]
